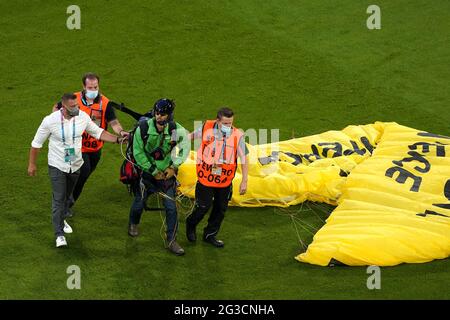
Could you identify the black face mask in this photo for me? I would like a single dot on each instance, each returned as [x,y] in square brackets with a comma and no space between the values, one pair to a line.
[73,112]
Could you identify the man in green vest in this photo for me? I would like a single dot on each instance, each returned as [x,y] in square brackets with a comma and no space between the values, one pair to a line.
[159,159]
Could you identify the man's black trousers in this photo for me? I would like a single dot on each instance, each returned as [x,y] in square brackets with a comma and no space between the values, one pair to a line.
[91,160]
[205,197]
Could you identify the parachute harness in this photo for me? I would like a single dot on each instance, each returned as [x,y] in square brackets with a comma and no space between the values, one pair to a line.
[184,204]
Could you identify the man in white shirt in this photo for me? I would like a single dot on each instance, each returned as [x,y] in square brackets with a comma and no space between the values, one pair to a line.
[64,129]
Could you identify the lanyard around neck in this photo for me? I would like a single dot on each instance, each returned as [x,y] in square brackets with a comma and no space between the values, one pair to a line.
[217,133]
[62,129]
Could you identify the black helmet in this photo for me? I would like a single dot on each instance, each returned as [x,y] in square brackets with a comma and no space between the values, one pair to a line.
[164,106]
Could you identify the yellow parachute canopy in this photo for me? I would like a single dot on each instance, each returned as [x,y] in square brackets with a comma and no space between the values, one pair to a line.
[391,185]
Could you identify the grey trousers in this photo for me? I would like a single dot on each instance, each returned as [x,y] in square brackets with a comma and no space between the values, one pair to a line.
[62,187]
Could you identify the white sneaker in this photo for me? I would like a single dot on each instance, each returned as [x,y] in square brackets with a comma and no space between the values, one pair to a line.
[61,241]
[67,228]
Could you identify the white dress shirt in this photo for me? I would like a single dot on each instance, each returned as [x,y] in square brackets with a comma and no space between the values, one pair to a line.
[51,127]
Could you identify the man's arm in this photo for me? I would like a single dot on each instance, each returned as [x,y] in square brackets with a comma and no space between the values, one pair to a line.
[117,127]
[146,163]
[244,167]
[101,134]
[42,134]
[32,167]
[109,137]
[113,121]
[243,156]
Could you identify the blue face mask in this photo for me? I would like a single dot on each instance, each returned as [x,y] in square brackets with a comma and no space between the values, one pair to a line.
[225,129]
[91,94]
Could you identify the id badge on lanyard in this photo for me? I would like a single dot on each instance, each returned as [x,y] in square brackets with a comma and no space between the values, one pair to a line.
[217,167]
[216,170]
[69,152]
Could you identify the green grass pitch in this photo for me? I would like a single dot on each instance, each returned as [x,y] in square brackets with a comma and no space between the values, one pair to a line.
[301,66]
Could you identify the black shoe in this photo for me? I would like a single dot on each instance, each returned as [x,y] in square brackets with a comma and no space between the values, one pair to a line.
[216,243]
[190,233]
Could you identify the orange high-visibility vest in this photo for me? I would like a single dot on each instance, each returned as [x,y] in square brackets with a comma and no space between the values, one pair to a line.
[97,112]
[216,165]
